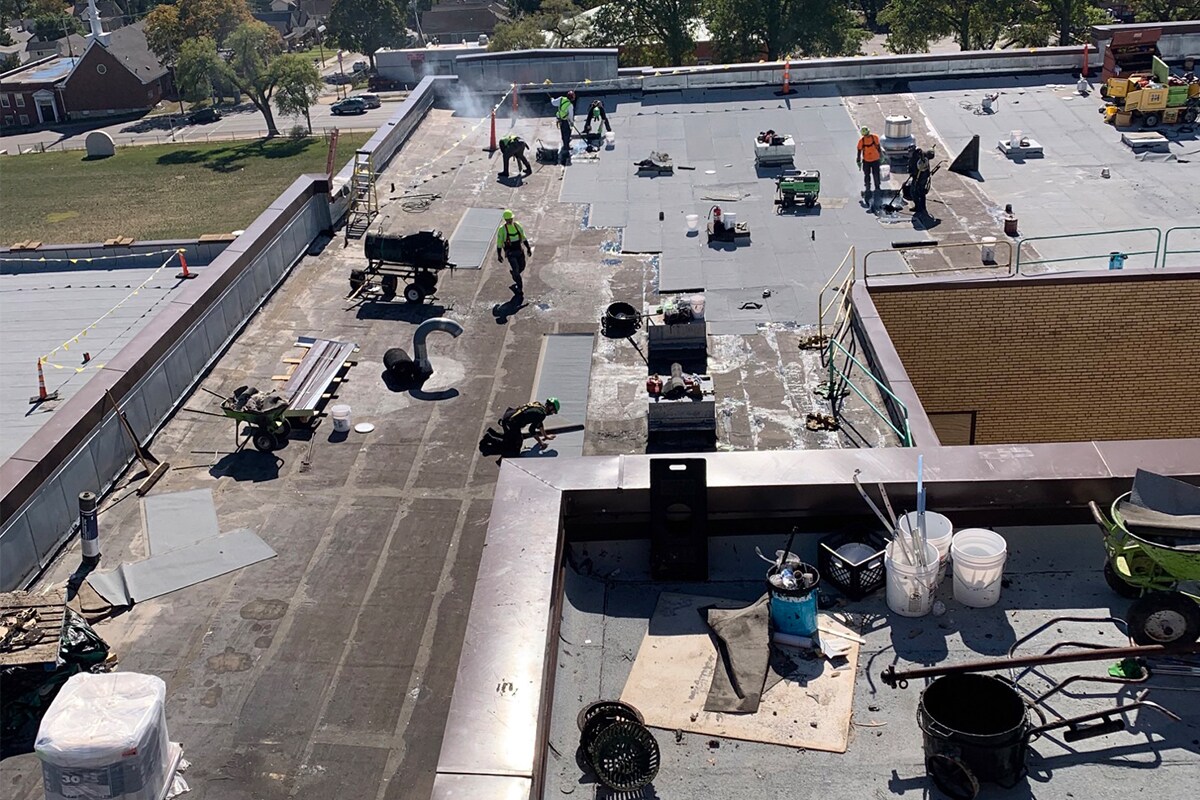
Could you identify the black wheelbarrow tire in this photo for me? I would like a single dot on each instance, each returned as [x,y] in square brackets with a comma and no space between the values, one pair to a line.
[1119,584]
[264,441]
[1164,618]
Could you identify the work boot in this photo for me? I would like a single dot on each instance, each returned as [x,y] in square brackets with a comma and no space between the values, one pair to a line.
[502,174]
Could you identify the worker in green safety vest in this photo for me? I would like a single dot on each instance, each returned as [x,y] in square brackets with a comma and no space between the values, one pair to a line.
[510,239]
[565,114]
[513,146]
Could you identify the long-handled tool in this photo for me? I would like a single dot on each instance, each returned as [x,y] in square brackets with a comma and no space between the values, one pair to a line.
[154,468]
[888,526]
[900,678]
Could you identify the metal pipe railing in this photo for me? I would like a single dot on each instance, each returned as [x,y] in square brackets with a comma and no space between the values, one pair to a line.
[1127,253]
[1166,247]
[1008,265]
[903,430]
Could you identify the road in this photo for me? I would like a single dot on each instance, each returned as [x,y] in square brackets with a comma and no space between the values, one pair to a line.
[244,122]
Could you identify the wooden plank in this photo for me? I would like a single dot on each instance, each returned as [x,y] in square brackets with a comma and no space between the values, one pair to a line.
[671,675]
[51,617]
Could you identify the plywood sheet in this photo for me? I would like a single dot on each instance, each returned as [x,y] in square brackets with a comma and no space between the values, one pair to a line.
[673,671]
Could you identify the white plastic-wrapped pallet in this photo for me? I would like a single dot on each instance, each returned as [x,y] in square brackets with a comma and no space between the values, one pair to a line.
[105,738]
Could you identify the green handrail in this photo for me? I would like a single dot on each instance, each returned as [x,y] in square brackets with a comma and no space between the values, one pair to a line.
[905,434]
[1155,252]
[1167,251]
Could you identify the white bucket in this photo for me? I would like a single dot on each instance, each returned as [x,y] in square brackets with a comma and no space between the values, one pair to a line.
[340,414]
[910,588]
[938,532]
[693,221]
[885,173]
[1014,138]
[610,140]
[987,252]
[730,219]
[979,557]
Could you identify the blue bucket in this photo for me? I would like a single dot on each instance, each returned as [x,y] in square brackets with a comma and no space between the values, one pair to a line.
[794,611]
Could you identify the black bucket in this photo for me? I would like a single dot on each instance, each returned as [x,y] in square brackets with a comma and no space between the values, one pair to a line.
[620,321]
[976,721]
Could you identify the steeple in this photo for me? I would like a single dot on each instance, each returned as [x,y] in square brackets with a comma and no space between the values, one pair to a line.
[98,33]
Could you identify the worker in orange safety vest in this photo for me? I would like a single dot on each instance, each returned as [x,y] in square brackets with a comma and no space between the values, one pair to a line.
[870,156]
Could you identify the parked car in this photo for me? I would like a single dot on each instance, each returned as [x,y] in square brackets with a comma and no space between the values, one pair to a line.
[203,116]
[351,105]
[360,66]
[372,100]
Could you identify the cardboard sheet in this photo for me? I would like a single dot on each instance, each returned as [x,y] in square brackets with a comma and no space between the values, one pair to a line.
[671,676]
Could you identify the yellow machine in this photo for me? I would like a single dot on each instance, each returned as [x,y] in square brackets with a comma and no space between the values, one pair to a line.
[1152,99]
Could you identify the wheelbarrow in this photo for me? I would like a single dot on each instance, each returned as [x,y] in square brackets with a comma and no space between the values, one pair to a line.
[263,416]
[1150,566]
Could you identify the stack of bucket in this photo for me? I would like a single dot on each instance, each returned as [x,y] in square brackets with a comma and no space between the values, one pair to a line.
[978,557]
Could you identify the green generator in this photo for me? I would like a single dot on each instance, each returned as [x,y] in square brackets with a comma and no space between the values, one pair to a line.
[797,187]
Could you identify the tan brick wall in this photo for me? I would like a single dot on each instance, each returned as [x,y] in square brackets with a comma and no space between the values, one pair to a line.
[1053,362]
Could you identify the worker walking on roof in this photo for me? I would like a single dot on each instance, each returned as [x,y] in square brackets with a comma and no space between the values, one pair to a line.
[513,146]
[532,416]
[510,239]
[564,112]
[870,156]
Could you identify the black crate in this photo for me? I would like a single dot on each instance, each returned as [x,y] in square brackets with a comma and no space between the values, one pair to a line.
[856,581]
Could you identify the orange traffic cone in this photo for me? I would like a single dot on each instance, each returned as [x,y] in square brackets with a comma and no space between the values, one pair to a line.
[184,274]
[491,148]
[787,76]
[42,394]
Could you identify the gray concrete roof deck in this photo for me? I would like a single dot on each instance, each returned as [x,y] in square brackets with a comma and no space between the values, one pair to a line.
[40,312]
[606,613]
[329,670]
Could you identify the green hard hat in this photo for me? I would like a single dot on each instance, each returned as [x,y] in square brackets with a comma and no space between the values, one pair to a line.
[865,130]
[552,402]
[508,214]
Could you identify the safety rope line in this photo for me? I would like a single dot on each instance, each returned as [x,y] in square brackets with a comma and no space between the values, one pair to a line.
[78,260]
[66,346]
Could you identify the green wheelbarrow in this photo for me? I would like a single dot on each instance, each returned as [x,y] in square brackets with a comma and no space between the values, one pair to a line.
[1155,567]
[263,414]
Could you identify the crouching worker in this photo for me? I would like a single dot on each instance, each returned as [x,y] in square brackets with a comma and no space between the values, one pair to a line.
[513,424]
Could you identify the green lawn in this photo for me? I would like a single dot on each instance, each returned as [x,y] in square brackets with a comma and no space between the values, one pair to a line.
[153,192]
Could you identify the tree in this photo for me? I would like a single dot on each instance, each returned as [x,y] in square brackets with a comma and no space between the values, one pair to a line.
[215,18]
[169,26]
[55,26]
[164,36]
[651,31]
[1061,22]
[299,86]
[558,18]
[9,61]
[254,52]
[364,26]
[197,67]
[1165,10]
[749,30]
[525,33]
[974,24]
[870,11]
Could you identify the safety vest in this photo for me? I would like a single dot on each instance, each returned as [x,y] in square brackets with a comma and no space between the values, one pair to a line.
[564,108]
[868,146]
[512,137]
[510,233]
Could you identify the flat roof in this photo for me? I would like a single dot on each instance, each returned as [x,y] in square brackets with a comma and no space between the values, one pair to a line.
[364,612]
[39,313]
[48,72]
[609,607]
